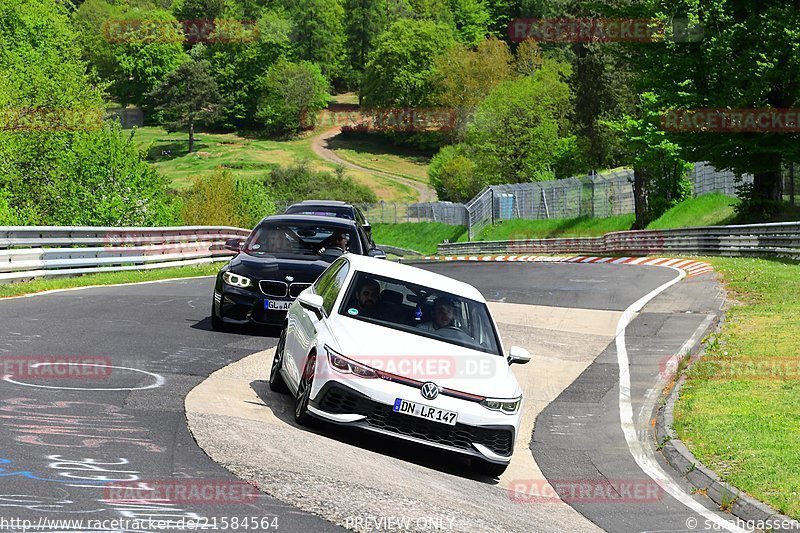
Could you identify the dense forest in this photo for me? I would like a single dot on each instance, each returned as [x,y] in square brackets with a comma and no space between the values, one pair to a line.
[526,106]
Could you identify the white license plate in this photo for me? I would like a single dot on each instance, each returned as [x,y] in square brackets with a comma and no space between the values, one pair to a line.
[425,411]
[277,305]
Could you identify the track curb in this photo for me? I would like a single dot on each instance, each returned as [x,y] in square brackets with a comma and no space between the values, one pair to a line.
[744,507]
[690,266]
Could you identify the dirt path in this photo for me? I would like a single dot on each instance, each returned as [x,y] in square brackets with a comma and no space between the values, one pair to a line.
[320,147]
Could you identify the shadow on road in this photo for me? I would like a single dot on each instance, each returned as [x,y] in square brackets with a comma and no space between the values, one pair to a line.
[282,406]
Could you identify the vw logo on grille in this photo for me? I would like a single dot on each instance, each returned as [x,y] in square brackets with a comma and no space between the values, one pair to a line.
[429,390]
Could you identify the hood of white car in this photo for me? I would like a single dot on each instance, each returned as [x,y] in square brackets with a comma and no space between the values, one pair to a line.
[425,359]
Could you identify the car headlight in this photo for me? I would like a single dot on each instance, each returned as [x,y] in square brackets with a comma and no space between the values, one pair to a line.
[235,280]
[508,406]
[344,365]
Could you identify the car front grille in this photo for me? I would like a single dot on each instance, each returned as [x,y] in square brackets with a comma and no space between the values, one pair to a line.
[339,400]
[296,288]
[277,289]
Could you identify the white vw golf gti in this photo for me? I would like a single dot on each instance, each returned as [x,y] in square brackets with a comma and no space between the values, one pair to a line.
[404,352]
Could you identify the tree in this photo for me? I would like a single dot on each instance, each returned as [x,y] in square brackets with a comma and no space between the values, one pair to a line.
[746,58]
[659,172]
[237,66]
[186,10]
[520,132]
[291,96]
[148,46]
[466,77]
[319,26]
[401,68]
[471,19]
[528,58]
[187,97]
[453,174]
[365,20]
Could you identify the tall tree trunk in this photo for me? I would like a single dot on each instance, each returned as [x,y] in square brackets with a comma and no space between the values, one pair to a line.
[640,178]
[191,137]
[768,185]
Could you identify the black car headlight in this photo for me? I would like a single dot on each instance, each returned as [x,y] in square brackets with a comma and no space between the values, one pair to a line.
[503,405]
[235,280]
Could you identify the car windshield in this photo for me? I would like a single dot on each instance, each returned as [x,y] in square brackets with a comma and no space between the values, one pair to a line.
[299,239]
[420,310]
[321,210]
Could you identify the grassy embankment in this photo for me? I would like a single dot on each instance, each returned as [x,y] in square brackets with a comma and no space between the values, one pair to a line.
[107,278]
[247,158]
[739,411]
[711,209]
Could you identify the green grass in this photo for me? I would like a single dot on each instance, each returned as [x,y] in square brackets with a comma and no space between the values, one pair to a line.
[420,236]
[739,411]
[706,210]
[368,152]
[107,278]
[543,229]
[247,157]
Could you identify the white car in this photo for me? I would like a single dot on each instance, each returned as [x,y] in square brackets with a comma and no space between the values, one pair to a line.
[404,352]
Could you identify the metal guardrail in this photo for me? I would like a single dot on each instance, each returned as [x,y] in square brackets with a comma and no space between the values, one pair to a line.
[28,252]
[770,240]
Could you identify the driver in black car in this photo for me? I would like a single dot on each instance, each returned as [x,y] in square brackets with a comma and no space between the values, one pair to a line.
[336,244]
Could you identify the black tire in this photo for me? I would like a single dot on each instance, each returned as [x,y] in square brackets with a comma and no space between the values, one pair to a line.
[276,383]
[487,468]
[217,324]
[301,414]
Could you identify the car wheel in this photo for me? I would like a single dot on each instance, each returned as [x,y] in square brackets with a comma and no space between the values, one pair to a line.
[487,468]
[217,324]
[276,383]
[301,414]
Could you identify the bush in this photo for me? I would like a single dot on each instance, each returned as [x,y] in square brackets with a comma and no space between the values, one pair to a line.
[453,175]
[298,182]
[218,199]
[293,93]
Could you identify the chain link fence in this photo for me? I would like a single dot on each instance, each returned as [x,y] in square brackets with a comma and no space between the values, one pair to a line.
[595,195]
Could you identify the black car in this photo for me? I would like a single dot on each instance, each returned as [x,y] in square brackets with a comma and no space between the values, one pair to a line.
[332,208]
[283,255]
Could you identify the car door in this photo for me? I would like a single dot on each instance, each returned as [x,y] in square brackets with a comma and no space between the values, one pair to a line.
[302,325]
[364,223]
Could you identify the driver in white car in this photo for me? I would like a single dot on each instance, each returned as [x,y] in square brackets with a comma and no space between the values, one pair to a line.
[443,322]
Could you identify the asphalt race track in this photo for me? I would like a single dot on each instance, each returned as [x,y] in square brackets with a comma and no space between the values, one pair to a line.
[71,448]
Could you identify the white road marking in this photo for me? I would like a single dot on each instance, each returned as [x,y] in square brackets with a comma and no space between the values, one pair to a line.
[646,462]
[159,379]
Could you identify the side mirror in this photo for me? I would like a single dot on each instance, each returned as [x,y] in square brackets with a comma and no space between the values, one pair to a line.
[234,245]
[312,302]
[518,355]
[377,252]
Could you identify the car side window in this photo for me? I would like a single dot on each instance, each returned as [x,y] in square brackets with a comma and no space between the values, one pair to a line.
[334,287]
[324,280]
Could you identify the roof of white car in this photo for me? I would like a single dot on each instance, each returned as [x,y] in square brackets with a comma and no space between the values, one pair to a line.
[411,274]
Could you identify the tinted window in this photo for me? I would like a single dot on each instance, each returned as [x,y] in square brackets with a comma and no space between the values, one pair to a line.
[321,210]
[324,280]
[297,239]
[331,290]
[423,311]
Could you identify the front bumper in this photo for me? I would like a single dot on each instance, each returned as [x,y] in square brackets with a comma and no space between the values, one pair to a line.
[486,435]
[242,306]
